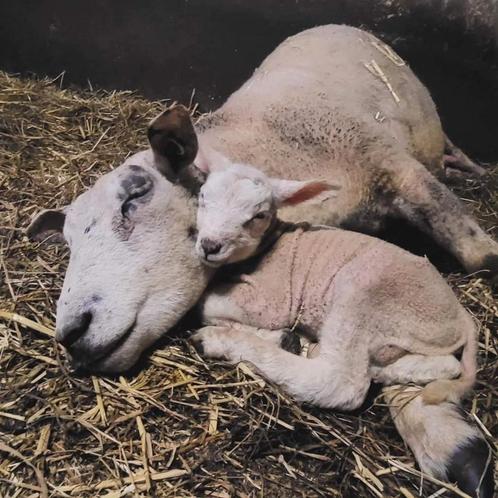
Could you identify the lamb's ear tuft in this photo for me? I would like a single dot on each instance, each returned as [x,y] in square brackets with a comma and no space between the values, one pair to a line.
[290,192]
[47,225]
[172,136]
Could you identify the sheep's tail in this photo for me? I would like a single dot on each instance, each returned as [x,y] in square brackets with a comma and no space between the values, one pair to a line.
[454,390]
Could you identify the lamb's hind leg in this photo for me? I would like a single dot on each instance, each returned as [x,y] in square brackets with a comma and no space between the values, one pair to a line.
[445,445]
[428,204]
[332,380]
[417,368]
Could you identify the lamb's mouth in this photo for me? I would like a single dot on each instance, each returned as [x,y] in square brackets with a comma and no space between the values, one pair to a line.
[219,259]
[100,355]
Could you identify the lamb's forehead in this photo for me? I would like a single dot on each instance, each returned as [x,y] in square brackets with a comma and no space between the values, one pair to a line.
[240,182]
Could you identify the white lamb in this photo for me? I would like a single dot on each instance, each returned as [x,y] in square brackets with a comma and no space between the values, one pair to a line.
[377,311]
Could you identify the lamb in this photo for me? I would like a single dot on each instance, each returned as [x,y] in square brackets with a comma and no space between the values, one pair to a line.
[399,321]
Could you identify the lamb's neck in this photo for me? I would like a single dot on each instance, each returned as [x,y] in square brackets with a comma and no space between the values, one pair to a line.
[277,228]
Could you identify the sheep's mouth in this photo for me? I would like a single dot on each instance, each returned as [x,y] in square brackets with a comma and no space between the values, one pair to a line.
[99,355]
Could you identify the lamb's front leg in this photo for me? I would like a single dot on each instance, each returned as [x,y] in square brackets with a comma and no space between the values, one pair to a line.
[283,338]
[331,380]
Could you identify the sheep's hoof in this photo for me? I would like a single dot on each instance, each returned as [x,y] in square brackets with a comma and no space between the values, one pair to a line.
[471,467]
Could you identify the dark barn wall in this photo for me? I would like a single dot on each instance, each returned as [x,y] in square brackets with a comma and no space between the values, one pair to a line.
[169,48]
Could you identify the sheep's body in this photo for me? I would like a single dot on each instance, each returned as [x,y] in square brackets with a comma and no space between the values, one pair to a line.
[314,110]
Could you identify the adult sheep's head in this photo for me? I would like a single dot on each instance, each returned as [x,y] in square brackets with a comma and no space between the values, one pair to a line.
[133,271]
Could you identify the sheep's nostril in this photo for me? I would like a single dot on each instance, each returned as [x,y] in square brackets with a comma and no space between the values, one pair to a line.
[210,247]
[75,329]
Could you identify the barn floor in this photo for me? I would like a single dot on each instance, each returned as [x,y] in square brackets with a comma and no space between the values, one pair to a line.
[178,425]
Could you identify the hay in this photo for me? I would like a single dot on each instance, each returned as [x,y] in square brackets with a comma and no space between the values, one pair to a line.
[179,426]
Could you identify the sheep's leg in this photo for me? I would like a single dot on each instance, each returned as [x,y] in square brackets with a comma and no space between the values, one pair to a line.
[332,380]
[456,160]
[445,445]
[428,204]
[417,368]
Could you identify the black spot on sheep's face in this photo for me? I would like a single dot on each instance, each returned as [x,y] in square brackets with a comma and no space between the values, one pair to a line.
[136,190]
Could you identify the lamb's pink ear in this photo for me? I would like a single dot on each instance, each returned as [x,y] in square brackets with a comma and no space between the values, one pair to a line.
[47,225]
[290,192]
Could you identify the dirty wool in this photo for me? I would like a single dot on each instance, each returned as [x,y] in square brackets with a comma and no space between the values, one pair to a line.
[178,425]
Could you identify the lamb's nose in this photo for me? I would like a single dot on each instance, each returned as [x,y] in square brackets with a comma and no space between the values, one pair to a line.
[210,247]
[70,332]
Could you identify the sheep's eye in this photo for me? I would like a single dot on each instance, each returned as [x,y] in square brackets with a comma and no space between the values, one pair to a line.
[129,205]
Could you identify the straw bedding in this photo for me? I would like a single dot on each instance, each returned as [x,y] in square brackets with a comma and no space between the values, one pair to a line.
[178,425]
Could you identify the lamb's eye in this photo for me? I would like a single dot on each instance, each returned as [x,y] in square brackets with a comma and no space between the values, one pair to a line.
[259,216]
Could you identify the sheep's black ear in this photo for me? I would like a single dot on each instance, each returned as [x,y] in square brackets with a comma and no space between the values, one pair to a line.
[172,136]
[47,225]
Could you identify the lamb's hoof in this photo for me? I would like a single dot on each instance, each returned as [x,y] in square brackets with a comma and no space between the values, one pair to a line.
[290,342]
[471,467]
[211,342]
[196,341]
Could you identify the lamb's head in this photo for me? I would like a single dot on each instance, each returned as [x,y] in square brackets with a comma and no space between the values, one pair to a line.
[238,208]
[133,270]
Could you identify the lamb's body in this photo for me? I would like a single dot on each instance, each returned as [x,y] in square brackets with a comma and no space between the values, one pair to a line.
[354,294]
[313,110]
[391,296]
[365,301]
